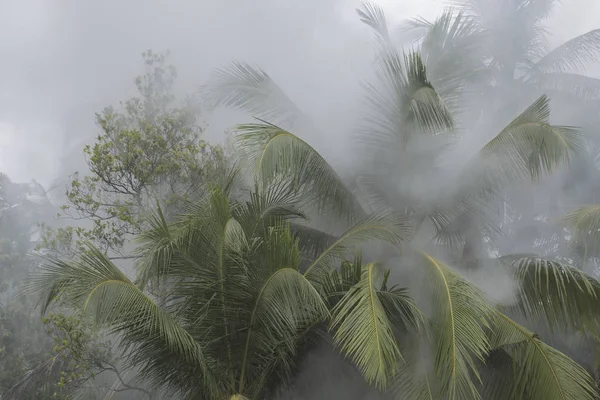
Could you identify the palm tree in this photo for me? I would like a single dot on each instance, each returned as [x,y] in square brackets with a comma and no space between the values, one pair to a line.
[404,133]
[250,286]
[241,297]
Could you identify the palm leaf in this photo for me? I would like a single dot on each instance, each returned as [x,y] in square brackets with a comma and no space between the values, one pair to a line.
[286,305]
[561,296]
[272,151]
[157,340]
[585,224]
[540,371]
[387,226]
[452,47]
[402,102]
[363,330]
[529,146]
[571,55]
[460,316]
[373,15]
[252,90]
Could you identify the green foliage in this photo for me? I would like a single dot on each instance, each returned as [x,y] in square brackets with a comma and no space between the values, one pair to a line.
[151,148]
[234,289]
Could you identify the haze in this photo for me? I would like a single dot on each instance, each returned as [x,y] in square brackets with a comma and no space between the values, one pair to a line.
[63,60]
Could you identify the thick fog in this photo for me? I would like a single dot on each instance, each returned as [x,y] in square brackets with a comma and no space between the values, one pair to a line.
[63,60]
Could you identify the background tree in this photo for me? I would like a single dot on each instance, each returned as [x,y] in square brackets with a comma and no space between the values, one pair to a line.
[151,149]
[23,343]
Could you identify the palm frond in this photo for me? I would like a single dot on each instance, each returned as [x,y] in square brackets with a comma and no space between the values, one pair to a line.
[403,102]
[561,296]
[585,224]
[273,151]
[571,55]
[540,371]
[529,146]
[252,90]
[312,241]
[286,305]
[270,202]
[460,316]
[388,226]
[95,286]
[335,283]
[363,330]
[373,15]
[452,49]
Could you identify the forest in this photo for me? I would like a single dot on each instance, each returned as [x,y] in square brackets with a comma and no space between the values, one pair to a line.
[452,254]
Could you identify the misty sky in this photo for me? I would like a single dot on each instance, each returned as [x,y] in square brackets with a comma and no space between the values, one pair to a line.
[65,59]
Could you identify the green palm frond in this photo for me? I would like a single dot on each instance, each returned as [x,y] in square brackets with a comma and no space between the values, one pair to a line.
[156,247]
[363,330]
[452,48]
[335,283]
[252,90]
[403,102]
[387,226]
[158,341]
[272,151]
[270,202]
[529,146]
[286,305]
[585,224]
[460,316]
[571,55]
[312,241]
[539,371]
[561,296]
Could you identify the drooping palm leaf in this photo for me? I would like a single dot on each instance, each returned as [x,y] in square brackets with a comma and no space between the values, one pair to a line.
[273,151]
[585,224]
[571,55]
[363,330]
[96,286]
[252,90]
[560,296]
[452,48]
[460,316]
[373,15]
[402,102]
[286,305]
[540,371]
[529,146]
[388,226]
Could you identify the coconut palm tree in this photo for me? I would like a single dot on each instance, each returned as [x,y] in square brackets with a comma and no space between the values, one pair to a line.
[239,302]
[405,131]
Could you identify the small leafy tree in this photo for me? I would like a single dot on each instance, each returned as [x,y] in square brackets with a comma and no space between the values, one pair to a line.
[150,149]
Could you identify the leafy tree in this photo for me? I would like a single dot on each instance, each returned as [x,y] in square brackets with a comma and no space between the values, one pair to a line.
[151,149]
[22,341]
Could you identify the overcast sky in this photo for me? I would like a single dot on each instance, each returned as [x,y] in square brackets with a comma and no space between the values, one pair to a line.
[64,59]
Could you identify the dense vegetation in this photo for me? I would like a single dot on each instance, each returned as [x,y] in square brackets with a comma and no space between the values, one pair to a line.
[211,273]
